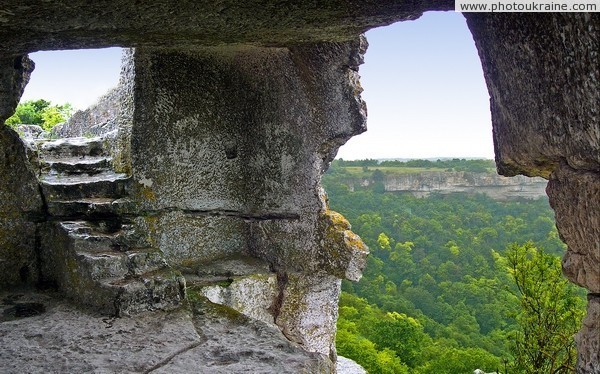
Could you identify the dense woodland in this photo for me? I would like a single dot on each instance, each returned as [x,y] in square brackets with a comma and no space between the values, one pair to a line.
[454,282]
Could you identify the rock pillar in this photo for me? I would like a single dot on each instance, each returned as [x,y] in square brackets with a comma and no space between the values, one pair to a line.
[543,78]
[20,199]
[228,145]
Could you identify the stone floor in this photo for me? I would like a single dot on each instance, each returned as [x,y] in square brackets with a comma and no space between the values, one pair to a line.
[42,333]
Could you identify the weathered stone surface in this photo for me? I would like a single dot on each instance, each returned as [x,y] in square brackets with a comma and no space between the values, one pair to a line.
[249,137]
[188,239]
[241,154]
[588,339]
[97,120]
[242,283]
[342,253]
[20,203]
[14,76]
[307,310]
[20,198]
[543,78]
[321,242]
[31,133]
[345,365]
[200,339]
[29,25]
[575,197]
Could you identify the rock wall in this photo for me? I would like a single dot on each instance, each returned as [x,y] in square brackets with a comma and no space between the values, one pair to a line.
[20,199]
[543,78]
[97,120]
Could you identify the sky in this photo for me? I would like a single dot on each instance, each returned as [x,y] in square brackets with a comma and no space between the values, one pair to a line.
[423,84]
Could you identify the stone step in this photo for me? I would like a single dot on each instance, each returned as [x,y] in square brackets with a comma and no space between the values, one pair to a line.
[90,207]
[242,283]
[89,263]
[73,187]
[110,264]
[107,234]
[162,289]
[111,245]
[101,265]
[75,165]
[145,260]
[69,147]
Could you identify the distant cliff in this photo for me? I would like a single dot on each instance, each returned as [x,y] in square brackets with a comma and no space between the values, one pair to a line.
[426,182]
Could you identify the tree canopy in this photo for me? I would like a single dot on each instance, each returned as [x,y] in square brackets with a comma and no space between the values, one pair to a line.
[40,112]
[439,293]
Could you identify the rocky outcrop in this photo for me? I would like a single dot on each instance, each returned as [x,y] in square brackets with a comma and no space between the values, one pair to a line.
[244,148]
[444,182]
[20,206]
[20,198]
[187,24]
[97,120]
[346,366]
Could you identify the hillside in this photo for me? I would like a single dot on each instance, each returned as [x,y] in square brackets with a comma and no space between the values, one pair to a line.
[437,295]
[424,178]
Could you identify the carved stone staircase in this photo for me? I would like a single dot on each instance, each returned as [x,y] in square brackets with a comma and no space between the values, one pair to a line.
[91,246]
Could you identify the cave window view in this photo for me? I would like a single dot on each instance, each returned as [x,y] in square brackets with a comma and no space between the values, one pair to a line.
[464,271]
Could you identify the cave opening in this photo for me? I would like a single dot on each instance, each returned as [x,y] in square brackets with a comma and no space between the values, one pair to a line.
[427,99]
[436,137]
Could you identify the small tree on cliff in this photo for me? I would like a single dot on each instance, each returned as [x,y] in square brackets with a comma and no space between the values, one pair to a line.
[551,310]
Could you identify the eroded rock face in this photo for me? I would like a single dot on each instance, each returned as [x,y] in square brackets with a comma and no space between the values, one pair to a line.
[446,182]
[187,24]
[575,197]
[20,198]
[227,149]
[307,310]
[542,75]
[588,338]
[97,120]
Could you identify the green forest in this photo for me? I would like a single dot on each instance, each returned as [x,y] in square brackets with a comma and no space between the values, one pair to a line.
[40,112]
[454,282]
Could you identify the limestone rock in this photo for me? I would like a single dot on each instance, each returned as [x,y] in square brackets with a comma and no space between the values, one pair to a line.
[343,253]
[445,182]
[307,310]
[345,365]
[575,197]
[32,132]
[62,25]
[189,239]
[202,338]
[15,72]
[242,283]
[20,204]
[588,339]
[542,76]
[97,120]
